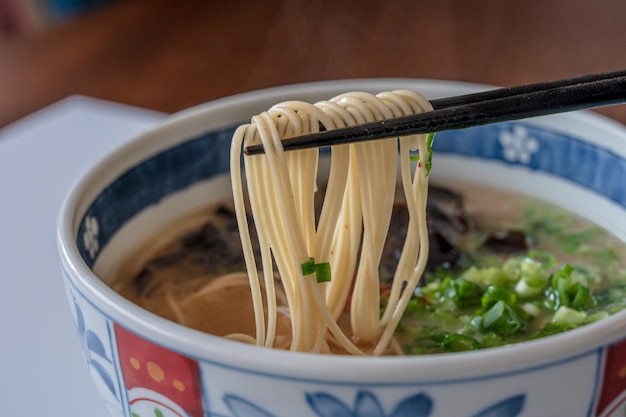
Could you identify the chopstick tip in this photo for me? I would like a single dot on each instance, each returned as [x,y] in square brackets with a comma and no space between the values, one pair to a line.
[253,150]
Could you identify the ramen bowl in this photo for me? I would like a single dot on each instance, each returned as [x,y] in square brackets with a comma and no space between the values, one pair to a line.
[144,365]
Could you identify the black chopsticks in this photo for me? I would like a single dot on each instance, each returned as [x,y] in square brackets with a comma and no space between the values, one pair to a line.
[513,103]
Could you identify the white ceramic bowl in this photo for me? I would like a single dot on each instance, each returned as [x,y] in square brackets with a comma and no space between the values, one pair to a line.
[145,365]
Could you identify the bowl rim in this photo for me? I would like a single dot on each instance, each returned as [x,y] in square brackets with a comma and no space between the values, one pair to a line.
[518,357]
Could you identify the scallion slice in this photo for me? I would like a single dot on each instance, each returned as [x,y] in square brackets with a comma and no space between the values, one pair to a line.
[501,319]
[569,316]
[308,267]
[459,343]
[582,297]
[494,294]
[322,272]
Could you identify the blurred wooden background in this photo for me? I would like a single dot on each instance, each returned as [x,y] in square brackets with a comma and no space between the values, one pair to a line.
[171,54]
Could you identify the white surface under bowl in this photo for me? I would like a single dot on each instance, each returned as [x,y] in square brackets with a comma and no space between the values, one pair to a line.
[142,362]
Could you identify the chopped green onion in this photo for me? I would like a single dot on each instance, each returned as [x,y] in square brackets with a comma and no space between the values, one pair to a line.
[597,316]
[554,299]
[322,271]
[459,343]
[569,288]
[467,293]
[494,294]
[511,268]
[491,339]
[533,277]
[615,307]
[524,289]
[429,149]
[501,319]
[475,324]
[561,279]
[486,276]
[496,302]
[550,329]
[308,267]
[582,297]
[569,316]
[532,272]
[546,259]
[429,153]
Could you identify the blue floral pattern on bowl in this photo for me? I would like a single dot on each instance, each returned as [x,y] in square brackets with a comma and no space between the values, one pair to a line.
[367,405]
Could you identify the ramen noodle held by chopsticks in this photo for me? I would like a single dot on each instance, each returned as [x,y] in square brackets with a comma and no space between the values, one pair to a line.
[328,264]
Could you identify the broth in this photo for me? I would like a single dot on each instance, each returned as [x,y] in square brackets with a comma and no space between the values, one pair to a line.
[464,301]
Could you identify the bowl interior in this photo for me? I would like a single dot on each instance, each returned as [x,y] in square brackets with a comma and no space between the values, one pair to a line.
[575,161]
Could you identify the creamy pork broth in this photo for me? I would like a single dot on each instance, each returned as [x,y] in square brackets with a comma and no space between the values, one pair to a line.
[195,276]
[465,301]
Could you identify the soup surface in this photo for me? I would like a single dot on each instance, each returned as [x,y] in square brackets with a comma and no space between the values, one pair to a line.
[502,269]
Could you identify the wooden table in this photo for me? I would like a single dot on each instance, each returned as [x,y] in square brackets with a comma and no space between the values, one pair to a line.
[170,54]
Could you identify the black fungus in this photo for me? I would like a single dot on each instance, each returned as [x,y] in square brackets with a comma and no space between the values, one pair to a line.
[446,210]
[446,221]
[510,242]
[215,247]
[442,253]
[207,237]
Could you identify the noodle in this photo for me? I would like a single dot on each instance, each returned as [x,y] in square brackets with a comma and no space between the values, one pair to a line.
[352,228]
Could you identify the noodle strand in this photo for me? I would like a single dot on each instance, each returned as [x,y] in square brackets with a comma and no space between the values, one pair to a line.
[352,228]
